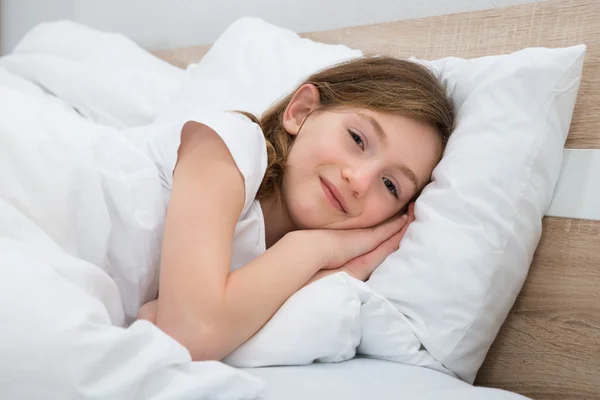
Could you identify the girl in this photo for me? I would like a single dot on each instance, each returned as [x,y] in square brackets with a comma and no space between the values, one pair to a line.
[258,208]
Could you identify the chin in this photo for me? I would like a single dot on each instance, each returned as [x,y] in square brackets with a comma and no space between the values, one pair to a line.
[308,212]
[304,222]
[313,220]
[307,217]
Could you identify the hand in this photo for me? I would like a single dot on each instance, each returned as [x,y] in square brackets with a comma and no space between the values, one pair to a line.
[148,311]
[363,266]
[344,246]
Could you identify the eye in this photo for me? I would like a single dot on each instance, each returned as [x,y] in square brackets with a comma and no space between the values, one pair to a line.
[357,139]
[391,187]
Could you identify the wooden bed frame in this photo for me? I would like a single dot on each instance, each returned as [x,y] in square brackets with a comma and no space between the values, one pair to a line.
[549,346]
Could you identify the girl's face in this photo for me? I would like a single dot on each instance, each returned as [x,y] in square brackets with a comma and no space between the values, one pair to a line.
[353,168]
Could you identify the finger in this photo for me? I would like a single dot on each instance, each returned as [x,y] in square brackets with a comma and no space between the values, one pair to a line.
[403,231]
[383,232]
[411,219]
[411,211]
[392,244]
[362,267]
[362,241]
[376,256]
[389,228]
[365,264]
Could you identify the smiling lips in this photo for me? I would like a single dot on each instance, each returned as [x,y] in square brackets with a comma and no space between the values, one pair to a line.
[333,195]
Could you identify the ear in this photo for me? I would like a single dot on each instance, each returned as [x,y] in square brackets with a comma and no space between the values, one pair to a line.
[303,102]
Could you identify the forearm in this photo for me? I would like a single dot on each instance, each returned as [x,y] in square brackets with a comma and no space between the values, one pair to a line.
[255,292]
[248,299]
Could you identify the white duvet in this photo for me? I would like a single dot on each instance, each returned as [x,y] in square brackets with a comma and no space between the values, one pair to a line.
[81,215]
[80,210]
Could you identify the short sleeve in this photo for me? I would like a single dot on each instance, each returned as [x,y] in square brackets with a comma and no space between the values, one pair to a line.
[243,138]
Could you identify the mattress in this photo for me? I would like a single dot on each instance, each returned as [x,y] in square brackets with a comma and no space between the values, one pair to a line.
[363,378]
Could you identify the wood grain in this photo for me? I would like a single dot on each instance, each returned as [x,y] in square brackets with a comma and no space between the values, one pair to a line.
[184,56]
[549,345]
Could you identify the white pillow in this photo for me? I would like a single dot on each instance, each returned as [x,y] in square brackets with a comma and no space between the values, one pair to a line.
[331,320]
[464,260]
[319,323]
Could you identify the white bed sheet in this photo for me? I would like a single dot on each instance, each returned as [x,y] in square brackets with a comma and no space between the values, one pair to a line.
[363,378]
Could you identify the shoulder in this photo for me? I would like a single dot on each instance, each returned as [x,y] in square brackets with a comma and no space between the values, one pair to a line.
[206,181]
[243,139]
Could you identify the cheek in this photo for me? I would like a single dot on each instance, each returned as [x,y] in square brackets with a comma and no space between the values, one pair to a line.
[375,211]
[301,195]
[328,145]
[380,210]
[301,154]
[304,208]
[324,146]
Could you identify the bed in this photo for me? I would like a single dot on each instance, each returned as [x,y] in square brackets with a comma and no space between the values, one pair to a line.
[549,346]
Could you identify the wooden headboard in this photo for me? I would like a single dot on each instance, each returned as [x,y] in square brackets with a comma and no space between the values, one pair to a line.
[549,346]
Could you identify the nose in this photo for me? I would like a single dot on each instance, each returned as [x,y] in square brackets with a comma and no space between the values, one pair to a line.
[359,179]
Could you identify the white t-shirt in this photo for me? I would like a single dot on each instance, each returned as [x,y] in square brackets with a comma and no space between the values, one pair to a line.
[246,143]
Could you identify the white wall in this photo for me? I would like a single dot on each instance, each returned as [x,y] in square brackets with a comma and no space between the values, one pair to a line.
[158,24]
[17,16]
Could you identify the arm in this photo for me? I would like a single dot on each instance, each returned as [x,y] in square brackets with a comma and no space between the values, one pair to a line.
[201,305]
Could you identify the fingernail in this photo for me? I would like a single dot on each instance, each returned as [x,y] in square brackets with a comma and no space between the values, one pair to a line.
[404,216]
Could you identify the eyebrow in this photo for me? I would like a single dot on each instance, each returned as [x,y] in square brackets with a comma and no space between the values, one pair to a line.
[375,124]
[381,134]
[409,174]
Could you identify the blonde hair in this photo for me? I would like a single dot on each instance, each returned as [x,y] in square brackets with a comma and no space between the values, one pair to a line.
[376,83]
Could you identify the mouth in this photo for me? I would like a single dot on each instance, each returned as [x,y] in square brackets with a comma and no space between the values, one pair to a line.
[333,195]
